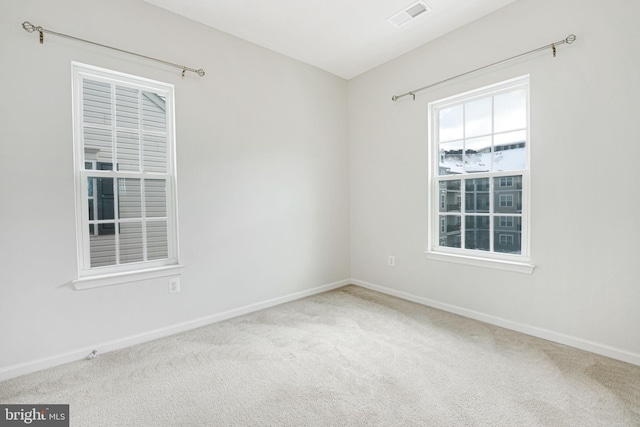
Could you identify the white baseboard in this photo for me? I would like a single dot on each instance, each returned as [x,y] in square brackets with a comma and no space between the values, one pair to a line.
[82,353]
[593,347]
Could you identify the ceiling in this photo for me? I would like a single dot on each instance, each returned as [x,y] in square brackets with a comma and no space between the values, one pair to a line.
[343,37]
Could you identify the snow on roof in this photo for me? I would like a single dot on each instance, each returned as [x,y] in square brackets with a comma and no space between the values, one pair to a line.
[505,160]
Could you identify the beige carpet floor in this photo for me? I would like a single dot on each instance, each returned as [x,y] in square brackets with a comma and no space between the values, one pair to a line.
[349,357]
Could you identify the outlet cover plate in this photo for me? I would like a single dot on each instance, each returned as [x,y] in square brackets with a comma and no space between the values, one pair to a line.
[174,285]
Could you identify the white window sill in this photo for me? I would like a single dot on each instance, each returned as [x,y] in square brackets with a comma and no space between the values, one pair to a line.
[496,264]
[90,282]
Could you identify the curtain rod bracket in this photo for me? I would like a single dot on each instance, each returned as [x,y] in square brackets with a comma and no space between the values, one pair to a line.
[30,28]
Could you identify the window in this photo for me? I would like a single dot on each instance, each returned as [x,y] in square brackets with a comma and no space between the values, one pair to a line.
[506,221]
[479,175]
[506,239]
[506,181]
[125,177]
[506,200]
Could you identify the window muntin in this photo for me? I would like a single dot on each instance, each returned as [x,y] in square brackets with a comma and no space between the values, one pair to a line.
[480,149]
[124,148]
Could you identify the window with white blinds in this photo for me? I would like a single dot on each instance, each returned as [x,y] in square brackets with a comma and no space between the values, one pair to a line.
[125,172]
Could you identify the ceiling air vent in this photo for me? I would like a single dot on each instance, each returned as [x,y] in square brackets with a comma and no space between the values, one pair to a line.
[408,14]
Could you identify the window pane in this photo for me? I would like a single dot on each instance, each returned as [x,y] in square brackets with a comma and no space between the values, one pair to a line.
[102,249]
[507,234]
[155,153]
[510,110]
[450,196]
[157,242]
[101,189]
[128,149]
[450,123]
[507,199]
[96,102]
[450,234]
[127,108]
[154,117]
[129,198]
[450,162]
[90,187]
[477,155]
[155,196]
[510,151]
[477,232]
[477,118]
[98,145]
[131,242]
[477,197]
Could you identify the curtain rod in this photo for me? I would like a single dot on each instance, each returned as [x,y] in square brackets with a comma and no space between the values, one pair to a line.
[30,28]
[570,39]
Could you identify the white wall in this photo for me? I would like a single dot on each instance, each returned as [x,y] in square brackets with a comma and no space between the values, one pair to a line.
[584,155]
[262,169]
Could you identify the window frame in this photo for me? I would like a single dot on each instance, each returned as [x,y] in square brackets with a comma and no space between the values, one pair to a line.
[89,277]
[496,260]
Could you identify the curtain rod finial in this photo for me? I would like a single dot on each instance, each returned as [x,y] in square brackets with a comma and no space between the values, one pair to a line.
[570,38]
[29,27]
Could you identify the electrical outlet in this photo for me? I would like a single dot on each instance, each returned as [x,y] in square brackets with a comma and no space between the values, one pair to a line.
[391,261]
[174,285]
